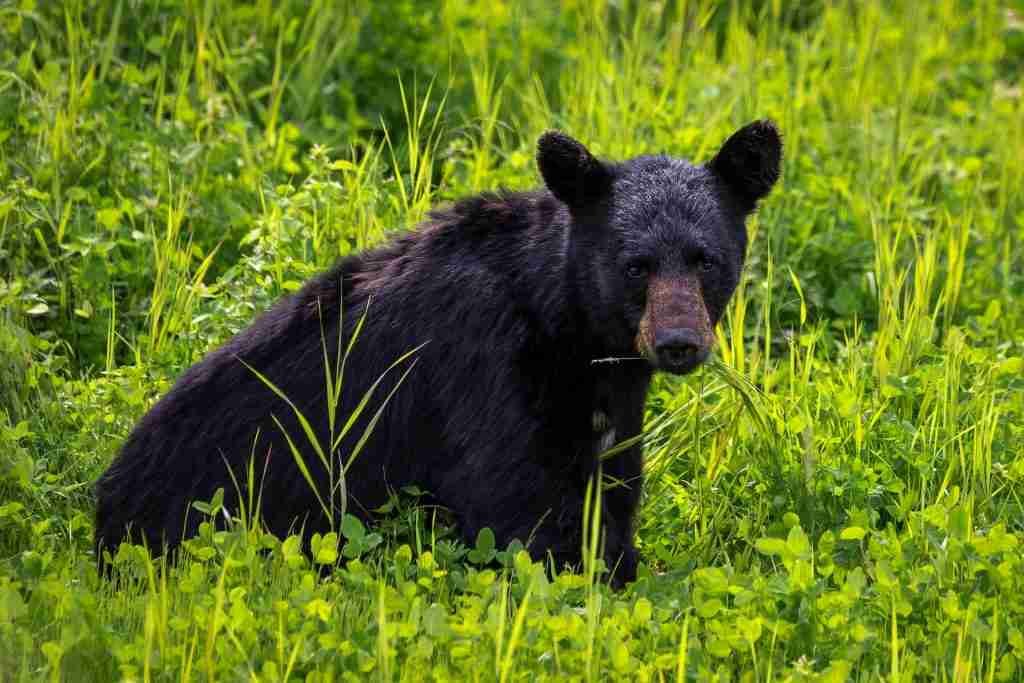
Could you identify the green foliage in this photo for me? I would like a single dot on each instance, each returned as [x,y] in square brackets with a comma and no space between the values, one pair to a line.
[837,497]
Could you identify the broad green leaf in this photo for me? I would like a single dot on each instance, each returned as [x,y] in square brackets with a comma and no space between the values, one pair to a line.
[772,546]
[352,529]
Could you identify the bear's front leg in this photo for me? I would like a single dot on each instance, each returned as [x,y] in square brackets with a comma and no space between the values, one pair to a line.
[554,533]
[618,416]
[565,544]
[620,555]
[562,545]
[621,484]
[544,510]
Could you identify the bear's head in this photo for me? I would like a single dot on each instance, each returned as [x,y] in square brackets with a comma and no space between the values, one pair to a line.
[656,243]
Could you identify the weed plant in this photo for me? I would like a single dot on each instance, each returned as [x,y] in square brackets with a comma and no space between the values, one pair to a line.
[838,496]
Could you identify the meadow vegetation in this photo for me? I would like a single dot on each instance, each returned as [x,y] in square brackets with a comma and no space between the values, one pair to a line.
[837,497]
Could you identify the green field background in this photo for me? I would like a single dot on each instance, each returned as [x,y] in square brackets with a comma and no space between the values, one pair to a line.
[837,497]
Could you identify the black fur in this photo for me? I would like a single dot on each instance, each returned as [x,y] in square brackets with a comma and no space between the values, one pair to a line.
[750,160]
[570,171]
[514,296]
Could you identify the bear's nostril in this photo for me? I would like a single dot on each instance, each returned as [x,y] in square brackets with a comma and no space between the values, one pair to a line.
[679,349]
[677,355]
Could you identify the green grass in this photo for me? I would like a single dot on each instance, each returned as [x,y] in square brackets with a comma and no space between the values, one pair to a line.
[837,497]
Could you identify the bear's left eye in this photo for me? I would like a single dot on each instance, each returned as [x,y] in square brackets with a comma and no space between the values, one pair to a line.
[706,264]
[637,270]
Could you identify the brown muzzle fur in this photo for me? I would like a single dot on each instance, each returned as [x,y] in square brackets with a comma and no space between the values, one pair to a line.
[675,310]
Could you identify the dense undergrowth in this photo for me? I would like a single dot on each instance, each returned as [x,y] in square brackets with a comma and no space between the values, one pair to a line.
[838,498]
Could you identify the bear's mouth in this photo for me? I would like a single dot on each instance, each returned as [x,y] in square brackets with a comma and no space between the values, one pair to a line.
[678,357]
[683,365]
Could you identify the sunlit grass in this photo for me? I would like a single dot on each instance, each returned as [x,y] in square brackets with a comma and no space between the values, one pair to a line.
[837,496]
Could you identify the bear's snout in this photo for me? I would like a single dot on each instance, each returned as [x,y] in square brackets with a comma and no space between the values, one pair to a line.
[675,332]
[679,350]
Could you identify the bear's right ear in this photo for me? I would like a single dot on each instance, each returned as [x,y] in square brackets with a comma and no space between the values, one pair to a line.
[749,161]
[570,171]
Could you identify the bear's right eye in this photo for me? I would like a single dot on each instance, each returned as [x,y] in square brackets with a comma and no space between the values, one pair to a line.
[637,270]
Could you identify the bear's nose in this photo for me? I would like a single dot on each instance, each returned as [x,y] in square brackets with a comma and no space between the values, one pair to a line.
[679,350]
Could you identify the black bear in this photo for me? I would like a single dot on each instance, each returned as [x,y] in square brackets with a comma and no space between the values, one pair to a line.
[513,302]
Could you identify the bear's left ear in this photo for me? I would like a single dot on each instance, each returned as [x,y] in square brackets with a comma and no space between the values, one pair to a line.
[749,161]
[570,171]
